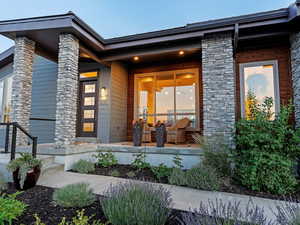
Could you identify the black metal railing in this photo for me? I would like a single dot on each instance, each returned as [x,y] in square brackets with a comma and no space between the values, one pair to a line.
[15,127]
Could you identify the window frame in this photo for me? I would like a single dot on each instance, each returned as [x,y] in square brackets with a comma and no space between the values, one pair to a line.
[5,93]
[194,70]
[274,63]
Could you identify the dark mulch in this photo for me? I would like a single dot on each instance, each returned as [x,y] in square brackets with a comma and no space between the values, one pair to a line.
[39,201]
[143,174]
[228,185]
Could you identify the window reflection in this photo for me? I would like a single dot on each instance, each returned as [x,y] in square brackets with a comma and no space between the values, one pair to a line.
[89,88]
[88,127]
[167,96]
[259,81]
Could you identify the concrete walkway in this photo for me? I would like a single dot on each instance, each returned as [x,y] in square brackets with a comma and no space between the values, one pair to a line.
[183,198]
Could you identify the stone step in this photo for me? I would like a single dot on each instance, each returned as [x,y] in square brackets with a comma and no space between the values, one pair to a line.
[51,168]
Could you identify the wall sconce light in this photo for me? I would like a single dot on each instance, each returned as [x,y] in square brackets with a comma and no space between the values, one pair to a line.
[103,93]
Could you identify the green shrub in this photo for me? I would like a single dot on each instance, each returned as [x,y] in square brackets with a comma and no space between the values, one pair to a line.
[136,204]
[267,147]
[177,160]
[10,208]
[106,159]
[161,171]
[139,161]
[79,219]
[74,195]
[114,173]
[216,153]
[203,178]
[267,172]
[177,177]
[3,183]
[130,174]
[83,166]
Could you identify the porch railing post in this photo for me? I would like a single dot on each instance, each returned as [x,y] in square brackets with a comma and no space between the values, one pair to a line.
[7,138]
[34,146]
[13,142]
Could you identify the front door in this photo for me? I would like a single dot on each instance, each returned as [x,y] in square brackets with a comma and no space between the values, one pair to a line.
[87,118]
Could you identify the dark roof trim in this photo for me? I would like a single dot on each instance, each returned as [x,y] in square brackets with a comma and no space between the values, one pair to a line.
[6,57]
[206,25]
[86,33]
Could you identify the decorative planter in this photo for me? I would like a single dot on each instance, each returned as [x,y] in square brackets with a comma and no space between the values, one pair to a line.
[160,135]
[31,178]
[137,132]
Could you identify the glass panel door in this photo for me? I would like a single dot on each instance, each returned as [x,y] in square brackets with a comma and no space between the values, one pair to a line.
[87,126]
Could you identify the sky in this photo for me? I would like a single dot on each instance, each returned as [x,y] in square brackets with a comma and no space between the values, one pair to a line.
[113,18]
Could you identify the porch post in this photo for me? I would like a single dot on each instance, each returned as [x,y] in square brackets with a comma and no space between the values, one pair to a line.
[67,87]
[295,64]
[22,84]
[218,85]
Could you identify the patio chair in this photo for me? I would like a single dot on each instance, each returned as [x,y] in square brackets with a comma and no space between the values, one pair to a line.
[176,133]
[146,134]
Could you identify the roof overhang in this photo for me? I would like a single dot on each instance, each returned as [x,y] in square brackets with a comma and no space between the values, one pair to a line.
[45,32]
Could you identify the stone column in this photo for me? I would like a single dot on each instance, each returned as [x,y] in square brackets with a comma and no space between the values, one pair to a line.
[22,84]
[67,88]
[295,64]
[218,85]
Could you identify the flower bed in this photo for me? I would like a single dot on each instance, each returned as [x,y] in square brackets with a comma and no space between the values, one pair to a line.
[40,202]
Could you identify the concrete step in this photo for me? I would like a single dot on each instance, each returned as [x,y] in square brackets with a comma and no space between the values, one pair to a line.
[52,168]
[46,160]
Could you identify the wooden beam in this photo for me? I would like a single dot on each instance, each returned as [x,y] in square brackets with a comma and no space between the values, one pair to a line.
[92,55]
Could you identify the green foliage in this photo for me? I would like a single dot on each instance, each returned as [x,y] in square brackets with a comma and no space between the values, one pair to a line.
[106,159]
[177,160]
[267,147]
[24,163]
[74,195]
[140,161]
[79,219]
[136,204]
[3,183]
[203,178]
[267,172]
[161,171]
[83,166]
[115,173]
[10,208]
[130,174]
[177,177]
[216,153]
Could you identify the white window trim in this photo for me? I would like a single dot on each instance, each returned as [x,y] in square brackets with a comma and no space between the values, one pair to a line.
[274,63]
[154,74]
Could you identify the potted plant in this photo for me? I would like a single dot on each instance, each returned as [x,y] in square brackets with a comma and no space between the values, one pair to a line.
[26,171]
[160,134]
[137,130]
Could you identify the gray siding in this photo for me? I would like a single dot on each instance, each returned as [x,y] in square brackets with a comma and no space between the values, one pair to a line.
[43,99]
[118,111]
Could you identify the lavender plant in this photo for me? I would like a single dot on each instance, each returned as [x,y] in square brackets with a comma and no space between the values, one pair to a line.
[136,204]
[220,213]
[288,213]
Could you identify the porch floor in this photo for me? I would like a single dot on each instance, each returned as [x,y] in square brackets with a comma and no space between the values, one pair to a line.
[153,144]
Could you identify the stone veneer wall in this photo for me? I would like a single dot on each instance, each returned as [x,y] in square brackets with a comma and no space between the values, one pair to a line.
[67,88]
[295,63]
[22,84]
[218,85]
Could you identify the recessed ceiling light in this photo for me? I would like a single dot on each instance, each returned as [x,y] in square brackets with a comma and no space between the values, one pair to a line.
[181,52]
[136,58]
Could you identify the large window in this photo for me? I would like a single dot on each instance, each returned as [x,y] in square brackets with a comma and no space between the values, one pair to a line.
[5,98]
[261,80]
[167,96]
